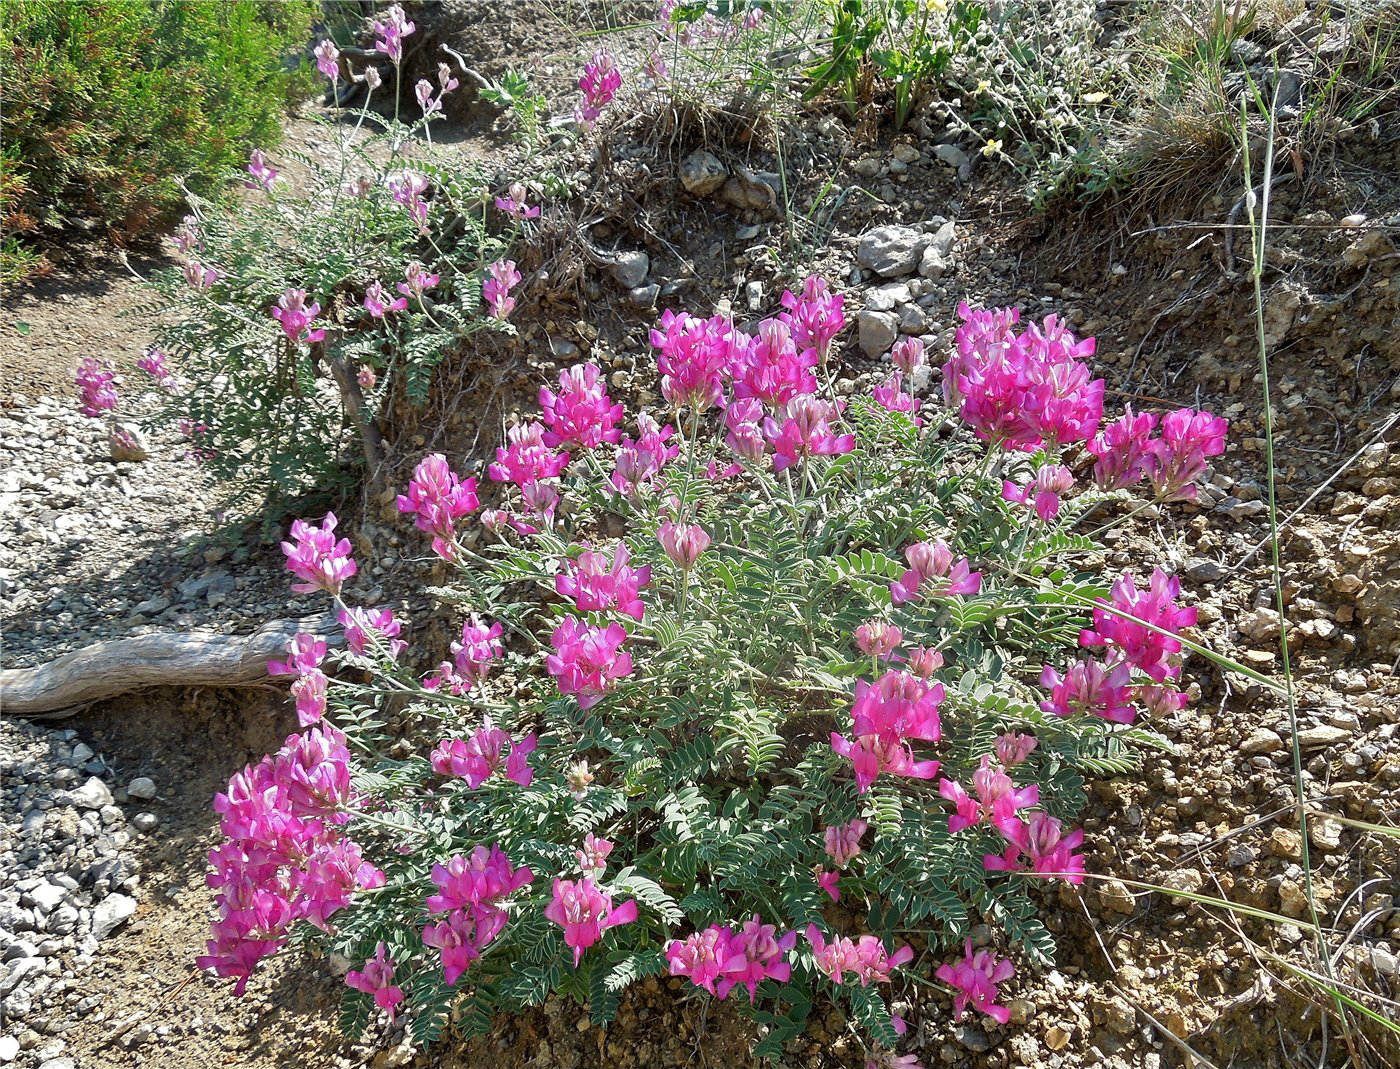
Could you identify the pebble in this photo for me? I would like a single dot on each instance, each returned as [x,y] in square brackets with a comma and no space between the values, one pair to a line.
[1261,741]
[891,251]
[93,794]
[142,787]
[145,822]
[111,913]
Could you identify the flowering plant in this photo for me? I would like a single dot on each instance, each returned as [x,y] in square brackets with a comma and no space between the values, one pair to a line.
[791,732]
[302,310]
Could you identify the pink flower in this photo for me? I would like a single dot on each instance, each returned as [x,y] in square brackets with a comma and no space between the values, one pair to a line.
[437,499]
[416,281]
[593,856]
[153,364]
[316,557]
[366,377]
[476,758]
[460,938]
[423,90]
[581,412]
[654,67]
[806,432]
[328,59]
[1090,688]
[482,878]
[514,203]
[263,174]
[496,289]
[294,315]
[200,276]
[1043,844]
[1013,748]
[585,913]
[309,692]
[446,82]
[866,957]
[377,979]
[843,841]
[755,953]
[899,706]
[892,398]
[683,544]
[588,660]
[1146,649]
[96,392]
[976,979]
[908,355]
[997,797]
[693,356]
[1124,450]
[640,462]
[367,627]
[377,302]
[1160,701]
[923,662]
[527,459]
[815,317]
[408,188]
[479,649]
[830,882]
[772,368]
[701,956]
[599,83]
[932,562]
[878,638]
[745,435]
[870,756]
[541,498]
[1189,439]
[597,584]
[1043,491]
[392,31]
[304,654]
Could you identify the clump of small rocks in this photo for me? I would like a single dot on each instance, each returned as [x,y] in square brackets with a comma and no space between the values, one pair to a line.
[69,879]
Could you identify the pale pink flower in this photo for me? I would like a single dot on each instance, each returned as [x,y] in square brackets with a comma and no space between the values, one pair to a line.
[377,302]
[295,316]
[153,364]
[683,544]
[593,855]
[305,652]
[806,432]
[933,573]
[514,203]
[1043,491]
[262,173]
[878,638]
[908,355]
[366,628]
[1013,748]
[328,59]
[843,841]
[923,661]
[416,281]
[391,32]
[496,288]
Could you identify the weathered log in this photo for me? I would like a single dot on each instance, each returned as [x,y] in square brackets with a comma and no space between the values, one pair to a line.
[163,659]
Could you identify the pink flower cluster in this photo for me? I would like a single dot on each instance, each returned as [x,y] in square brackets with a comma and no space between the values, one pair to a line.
[391,32]
[1126,451]
[892,398]
[865,957]
[304,655]
[470,890]
[1138,629]
[317,558]
[263,174]
[1041,844]
[407,188]
[683,544]
[502,277]
[976,979]
[153,364]
[96,390]
[416,281]
[1043,491]
[292,312]
[599,585]
[720,959]
[472,658]
[327,59]
[514,204]
[437,499]
[475,759]
[598,83]
[585,912]
[805,432]
[842,845]
[378,303]
[693,356]
[997,797]
[372,628]
[377,979]
[588,660]
[423,90]
[581,412]
[933,573]
[886,715]
[1022,391]
[640,462]
[286,857]
[815,316]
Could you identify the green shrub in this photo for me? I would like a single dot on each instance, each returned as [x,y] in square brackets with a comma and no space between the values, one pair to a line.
[109,104]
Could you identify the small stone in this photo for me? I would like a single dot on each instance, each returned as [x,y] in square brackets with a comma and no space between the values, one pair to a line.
[91,795]
[943,237]
[1325,834]
[145,822]
[1286,843]
[891,251]
[630,268]
[1321,735]
[878,331]
[1115,896]
[973,1038]
[111,913]
[1204,571]
[1261,741]
[142,787]
[644,296]
[9,1048]
[1057,1037]
[905,153]
[933,264]
[955,158]
[702,173]
[47,896]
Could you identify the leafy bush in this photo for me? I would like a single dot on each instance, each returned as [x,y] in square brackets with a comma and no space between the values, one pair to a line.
[648,755]
[301,311]
[108,104]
